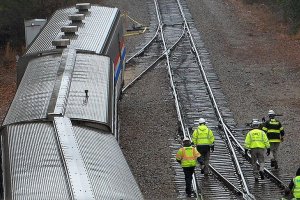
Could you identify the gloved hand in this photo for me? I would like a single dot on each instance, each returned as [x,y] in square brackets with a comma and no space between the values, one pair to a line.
[179,161]
[246,153]
[212,148]
[200,160]
[268,151]
[281,139]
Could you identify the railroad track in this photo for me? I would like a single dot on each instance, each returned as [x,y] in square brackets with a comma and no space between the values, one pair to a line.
[197,93]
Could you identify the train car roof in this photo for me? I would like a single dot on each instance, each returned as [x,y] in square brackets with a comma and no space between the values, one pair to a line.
[72,84]
[45,162]
[92,34]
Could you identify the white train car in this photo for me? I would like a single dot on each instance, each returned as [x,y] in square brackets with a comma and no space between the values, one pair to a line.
[59,137]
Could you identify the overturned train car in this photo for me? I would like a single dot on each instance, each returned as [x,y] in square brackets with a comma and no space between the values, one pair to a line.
[59,137]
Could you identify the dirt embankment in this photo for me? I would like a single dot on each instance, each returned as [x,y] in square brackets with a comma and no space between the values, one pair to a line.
[7,82]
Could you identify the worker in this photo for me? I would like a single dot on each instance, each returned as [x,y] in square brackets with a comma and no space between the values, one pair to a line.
[275,133]
[294,186]
[187,157]
[257,141]
[204,139]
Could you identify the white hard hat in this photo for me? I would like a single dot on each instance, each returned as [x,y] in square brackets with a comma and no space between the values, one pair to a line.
[186,139]
[201,121]
[255,123]
[271,112]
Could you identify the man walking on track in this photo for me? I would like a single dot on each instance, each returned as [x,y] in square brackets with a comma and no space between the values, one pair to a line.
[188,156]
[204,139]
[294,186]
[256,141]
[275,133]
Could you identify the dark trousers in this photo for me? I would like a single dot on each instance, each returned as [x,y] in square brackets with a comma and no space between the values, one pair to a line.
[204,150]
[188,173]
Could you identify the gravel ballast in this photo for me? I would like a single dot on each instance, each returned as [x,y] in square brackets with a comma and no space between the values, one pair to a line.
[257,66]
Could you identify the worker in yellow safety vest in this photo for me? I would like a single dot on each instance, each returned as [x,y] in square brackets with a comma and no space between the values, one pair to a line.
[257,141]
[275,133]
[188,156]
[294,186]
[204,140]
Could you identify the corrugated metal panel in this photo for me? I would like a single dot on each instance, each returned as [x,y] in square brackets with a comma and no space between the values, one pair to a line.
[36,170]
[79,181]
[36,95]
[34,92]
[107,168]
[91,35]
[93,73]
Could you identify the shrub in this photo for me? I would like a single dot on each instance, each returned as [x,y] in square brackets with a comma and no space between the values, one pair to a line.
[291,13]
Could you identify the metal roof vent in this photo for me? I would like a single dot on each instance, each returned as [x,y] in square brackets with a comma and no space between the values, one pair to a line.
[69,30]
[76,18]
[83,7]
[61,43]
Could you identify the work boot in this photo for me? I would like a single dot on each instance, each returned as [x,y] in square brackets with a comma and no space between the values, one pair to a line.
[194,193]
[261,173]
[188,193]
[202,170]
[275,164]
[272,163]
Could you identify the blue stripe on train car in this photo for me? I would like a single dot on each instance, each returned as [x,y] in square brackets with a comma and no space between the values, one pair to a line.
[120,64]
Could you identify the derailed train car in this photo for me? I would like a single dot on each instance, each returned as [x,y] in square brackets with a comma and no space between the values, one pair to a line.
[59,137]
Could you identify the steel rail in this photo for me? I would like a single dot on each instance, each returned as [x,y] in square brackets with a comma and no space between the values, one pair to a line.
[169,70]
[229,184]
[144,47]
[270,174]
[225,127]
[229,136]
[168,51]
[240,172]
[227,131]
[194,182]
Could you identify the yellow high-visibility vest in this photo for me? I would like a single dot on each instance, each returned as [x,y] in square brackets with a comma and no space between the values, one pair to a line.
[187,156]
[256,138]
[203,136]
[296,189]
